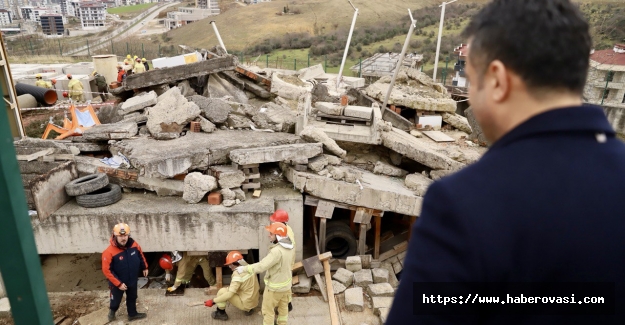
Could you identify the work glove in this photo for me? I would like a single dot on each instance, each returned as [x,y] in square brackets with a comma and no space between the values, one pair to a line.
[167,277]
[242,269]
[172,289]
[209,303]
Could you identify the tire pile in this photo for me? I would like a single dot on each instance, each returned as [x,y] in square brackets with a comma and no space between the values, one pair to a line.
[94,191]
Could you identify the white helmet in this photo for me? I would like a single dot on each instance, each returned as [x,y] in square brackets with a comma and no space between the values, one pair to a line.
[175,257]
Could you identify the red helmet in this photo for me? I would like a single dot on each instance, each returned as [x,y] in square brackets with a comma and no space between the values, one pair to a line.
[65,94]
[277,228]
[233,256]
[279,216]
[165,262]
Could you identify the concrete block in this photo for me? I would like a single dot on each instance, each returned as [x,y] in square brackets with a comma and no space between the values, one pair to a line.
[138,103]
[380,275]
[275,117]
[380,290]
[311,72]
[353,263]
[333,160]
[275,153]
[318,163]
[229,203]
[227,176]
[48,190]
[416,133]
[458,121]
[375,264]
[5,307]
[392,278]
[313,134]
[171,114]
[366,261]
[388,170]
[380,302]
[115,131]
[329,108]
[304,284]
[206,125]
[383,314]
[196,186]
[338,287]
[438,174]
[239,122]
[418,183]
[227,194]
[135,117]
[358,111]
[239,194]
[354,300]
[344,276]
[363,278]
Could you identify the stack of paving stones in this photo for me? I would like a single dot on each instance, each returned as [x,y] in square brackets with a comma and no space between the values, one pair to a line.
[365,283]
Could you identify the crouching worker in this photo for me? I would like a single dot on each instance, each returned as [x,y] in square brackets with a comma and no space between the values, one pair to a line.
[186,268]
[278,277]
[242,292]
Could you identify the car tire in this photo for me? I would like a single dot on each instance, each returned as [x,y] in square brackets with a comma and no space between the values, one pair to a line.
[107,195]
[86,184]
[340,240]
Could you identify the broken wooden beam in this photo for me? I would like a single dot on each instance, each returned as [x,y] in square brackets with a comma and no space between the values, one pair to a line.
[322,257]
[246,85]
[251,75]
[334,316]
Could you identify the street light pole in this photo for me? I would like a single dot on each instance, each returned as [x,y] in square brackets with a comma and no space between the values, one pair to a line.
[440,33]
[349,39]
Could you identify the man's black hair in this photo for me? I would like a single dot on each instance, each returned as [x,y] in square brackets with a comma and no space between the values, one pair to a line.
[546,42]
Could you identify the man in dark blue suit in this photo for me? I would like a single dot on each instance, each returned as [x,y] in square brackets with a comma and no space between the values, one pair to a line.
[542,212]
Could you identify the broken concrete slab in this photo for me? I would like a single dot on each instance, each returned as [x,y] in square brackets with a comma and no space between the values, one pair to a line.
[48,190]
[438,174]
[115,131]
[172,113]
[344,276]
[304,284]
[239,194]
[329,108]
[311,72]
[275,117]
[138,103]
[177,73]
[338,287]
[458,121]
[135,117]
[377,192]
[244,84]
[317,164]
[415,90]
[229,203]
[419,150]
[383,168]
[354,300]
[214,109]
[380,290]
[392,277]
[196,185]
[477,135]
[313,134]
[206,125]
[333,160]
[396,120]
[418,183]
[228,177]
[275,153]
[27,146]
[288,87]
[162,187]
[218,87]
[194,151]
[358,111]
[107,114]
[239,122]
[227,194]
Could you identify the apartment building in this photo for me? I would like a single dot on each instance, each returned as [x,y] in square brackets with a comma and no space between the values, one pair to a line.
[92,15]
[53,24]
[186,15]
[212,5]
[5,17]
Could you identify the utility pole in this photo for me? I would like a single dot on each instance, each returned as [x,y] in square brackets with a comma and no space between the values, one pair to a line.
[400,61]
[349,39]
[221,43]
[440,33]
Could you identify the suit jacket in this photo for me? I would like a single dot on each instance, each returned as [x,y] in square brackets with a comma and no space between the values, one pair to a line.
[544,204]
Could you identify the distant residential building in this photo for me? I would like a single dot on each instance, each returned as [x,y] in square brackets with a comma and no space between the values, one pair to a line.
[53,24]
[213,5]
[606,77]
[13,7]
[460,79]
[26,13]
[255,1]
[5,17]
[92,15]
[186,15]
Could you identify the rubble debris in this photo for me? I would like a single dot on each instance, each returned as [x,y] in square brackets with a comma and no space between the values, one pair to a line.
[353,263]
[239,194]
[115,131]
[344,277]
[177,73]
[388,170]
[363,278]
[338,287]
[228,177]
[320,94]
[380,290]
[228,203]
[413,89]
[477,135]
[358,111]
[438,174]
[275,117]
[416,133]
[380,275]
[185,88]
[135,117]
[329,108]
[458,121]
[275,153]
[438,136]
[317,164]
[257,193]
[215,110]
[196,185]
[354,300]
[227,194]
[206,125]
[312,72]
[313,134]
[239,122]
[333,160]
[288,87]
[172,113]
[250,86]
[107,114]
[138,103]
[418,183]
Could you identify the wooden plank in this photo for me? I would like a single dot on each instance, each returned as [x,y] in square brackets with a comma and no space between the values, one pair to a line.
[68,156]
[252,176]
[256,193]
[219,277]
[362,239]
[322,234]
[322,257]
[197,253]
[250,186]
[295,280]
[325,209]
[438,136]
[378,230]
[334,314]
[394,252]
[363,215]
[196,303]
[314,201]
[322,287]
[352,225]
[237,166]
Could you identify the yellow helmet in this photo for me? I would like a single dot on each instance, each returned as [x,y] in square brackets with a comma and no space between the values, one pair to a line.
[128,56]
[144,60]
[121,229]
[38,76]
[135,57]
[94,73]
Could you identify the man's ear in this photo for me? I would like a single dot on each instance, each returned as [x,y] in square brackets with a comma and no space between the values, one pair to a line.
[498,77]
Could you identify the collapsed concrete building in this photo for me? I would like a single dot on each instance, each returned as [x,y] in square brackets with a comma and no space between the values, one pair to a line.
[212,148]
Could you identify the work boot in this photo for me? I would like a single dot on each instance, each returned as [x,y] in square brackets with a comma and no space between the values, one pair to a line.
[137,316]
[290,306]
[111,315]
[220,314]
[249,312]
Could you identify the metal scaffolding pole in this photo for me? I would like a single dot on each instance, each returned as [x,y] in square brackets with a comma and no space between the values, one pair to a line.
[440,33]
[413,24]
[221,43]
[349,39]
